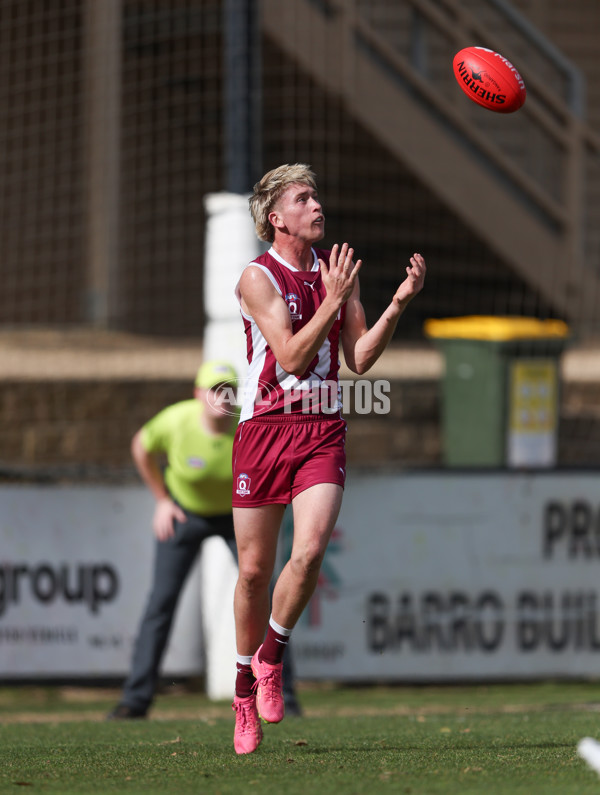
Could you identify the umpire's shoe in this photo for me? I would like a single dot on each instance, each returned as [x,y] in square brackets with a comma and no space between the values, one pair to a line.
[124,712]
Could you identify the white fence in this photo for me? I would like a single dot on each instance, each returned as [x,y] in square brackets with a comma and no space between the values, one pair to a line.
[428,577]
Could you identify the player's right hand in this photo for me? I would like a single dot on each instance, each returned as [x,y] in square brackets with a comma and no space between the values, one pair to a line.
[341,275]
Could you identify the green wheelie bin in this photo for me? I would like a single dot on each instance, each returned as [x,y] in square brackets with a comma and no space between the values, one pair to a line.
[500,390]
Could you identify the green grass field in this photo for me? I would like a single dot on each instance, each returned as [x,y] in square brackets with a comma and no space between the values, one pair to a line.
[478,739]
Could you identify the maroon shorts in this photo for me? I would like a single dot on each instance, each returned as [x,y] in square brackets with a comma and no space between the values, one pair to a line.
[275,458]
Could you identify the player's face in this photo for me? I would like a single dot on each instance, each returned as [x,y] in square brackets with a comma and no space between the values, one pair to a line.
[299,212]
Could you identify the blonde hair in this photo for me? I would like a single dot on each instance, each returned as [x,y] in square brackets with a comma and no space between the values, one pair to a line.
[268,190]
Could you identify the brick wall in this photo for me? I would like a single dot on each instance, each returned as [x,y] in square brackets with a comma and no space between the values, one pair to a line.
[82,429]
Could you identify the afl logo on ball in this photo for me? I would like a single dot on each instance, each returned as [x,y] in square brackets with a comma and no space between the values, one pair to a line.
[294,303]
[243,485]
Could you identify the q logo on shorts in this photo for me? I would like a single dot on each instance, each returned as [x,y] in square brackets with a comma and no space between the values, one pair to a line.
[243,485]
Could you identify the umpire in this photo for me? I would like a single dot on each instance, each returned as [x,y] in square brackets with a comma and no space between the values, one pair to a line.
[193,502]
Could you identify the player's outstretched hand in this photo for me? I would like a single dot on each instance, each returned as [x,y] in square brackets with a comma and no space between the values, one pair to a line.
[341,275]
[415,279]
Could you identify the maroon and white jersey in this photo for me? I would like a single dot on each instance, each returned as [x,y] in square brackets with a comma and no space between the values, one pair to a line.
[268,388]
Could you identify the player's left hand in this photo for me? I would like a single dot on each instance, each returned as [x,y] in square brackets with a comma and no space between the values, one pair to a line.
[415,279]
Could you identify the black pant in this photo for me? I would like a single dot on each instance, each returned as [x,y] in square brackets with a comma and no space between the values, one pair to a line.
[173,560]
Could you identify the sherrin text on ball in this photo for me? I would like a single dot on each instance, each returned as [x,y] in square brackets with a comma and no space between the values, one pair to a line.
[489,79]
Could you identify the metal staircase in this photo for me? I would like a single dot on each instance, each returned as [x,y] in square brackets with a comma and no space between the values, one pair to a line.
[524,182]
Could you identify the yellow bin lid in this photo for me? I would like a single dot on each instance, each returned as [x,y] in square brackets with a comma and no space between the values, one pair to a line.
[496,328]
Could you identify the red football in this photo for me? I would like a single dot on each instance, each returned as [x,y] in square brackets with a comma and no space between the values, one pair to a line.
[489,79]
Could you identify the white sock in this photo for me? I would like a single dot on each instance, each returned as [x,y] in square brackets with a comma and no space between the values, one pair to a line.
[279,629]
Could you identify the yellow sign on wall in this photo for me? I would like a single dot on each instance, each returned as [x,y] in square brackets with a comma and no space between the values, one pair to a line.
[533,413]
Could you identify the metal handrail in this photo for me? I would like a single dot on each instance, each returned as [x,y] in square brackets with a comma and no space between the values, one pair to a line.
[525,183]
[560,118]
[577,100]
[544,161]
[482,35]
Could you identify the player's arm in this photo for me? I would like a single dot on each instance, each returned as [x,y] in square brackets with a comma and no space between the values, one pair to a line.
[261,301]
[149,470]
[362,346]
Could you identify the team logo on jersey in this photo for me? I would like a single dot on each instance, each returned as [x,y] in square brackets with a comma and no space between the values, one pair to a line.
[243,485]
[294,303]
[196,463]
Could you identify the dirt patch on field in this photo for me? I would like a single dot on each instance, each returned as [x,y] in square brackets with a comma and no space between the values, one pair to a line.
[95,716]
[221,711]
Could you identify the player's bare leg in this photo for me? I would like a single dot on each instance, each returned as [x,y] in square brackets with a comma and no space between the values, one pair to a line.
[256,532]
[315,513]
[256,537]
